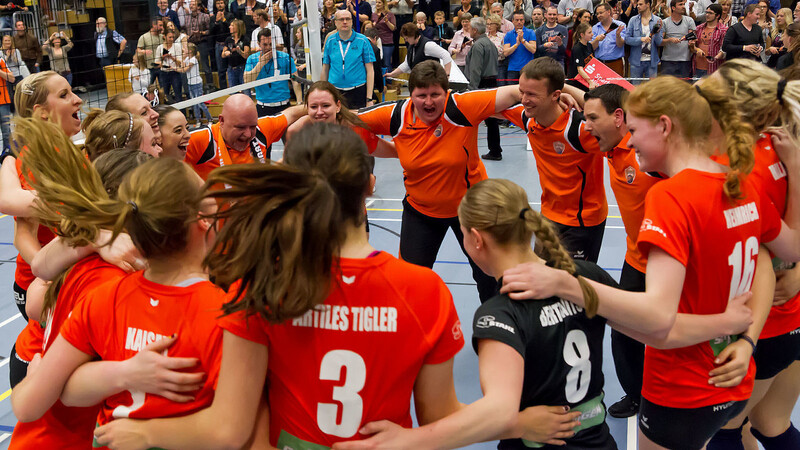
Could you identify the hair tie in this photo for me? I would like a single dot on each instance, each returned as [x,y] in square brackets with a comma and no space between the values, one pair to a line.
[134,208]
[522,213]
[130,130]
[781,88]
[697,88]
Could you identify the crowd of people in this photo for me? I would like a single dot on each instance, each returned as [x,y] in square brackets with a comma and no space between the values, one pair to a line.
[223,314]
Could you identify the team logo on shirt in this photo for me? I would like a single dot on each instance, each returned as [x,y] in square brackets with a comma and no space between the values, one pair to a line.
[349,280]
[438,131]
[647,224]
[153,302]
[488,322]
[630,174]
[558,147]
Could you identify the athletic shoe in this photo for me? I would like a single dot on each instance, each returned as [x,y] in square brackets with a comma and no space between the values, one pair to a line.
[492,156]
[625,407]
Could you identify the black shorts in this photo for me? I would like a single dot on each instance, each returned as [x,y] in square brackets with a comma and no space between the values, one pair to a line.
[20,298]
[685,428]
[582,242]
[17,367]
[776,353]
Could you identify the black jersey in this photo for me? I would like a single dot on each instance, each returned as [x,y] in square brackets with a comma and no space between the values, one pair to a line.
[563,353]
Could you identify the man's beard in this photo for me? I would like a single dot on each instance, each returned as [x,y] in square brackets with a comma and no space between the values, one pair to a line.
[100,29]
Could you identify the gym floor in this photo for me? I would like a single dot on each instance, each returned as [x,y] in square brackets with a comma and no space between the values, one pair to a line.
[385,213]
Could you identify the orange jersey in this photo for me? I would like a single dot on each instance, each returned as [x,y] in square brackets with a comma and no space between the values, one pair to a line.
[23,275]
[207,151]
[119,319]
[770,175]
[630,186]
[689,217]
[382,321]
[440,161]
[29,341]
[85,275]
[570,168]
[5,98]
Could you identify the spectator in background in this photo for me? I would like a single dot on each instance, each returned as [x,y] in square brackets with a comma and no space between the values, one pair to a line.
[581,53]
[580,15]
[519,46]
[347,62]
[190,67]
[198,27]
[422,25]
[28,46]
[13,60]
[462,40]
[261,19]
[430,7]
[299,52]
[745,39]
[608,42]
[139,75]
[56,48]
[643,35]
[442,33]
[109,45]
[7,10]
[766,20]
[169,56]
[727,18]
[537,19]
[237,49]
[291,10]
[181,8]
[796,12]
[385,24]
[165,12]
[467,8]
[148,43]
[496,36]
[566,10]
[482,74]
[377,68]
[676,59]
[6,100]
[328,18]
[772,5]
[777,47]
[737,8]
[551,38]
[505,24]
[403,11]
[364,11]
[244,10]
[271,98]
[792,42]
[512,6]
[707,48]
[220,29]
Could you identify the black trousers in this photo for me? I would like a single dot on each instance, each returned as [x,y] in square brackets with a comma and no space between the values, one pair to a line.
[628,352]
[582,242]
[356,97]
[420,239]
[492,124]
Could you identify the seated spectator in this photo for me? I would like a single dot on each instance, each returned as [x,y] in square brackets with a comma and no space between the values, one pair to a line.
[443,33]
[58,54]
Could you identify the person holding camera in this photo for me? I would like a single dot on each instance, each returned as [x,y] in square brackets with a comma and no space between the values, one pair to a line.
[644,34]
[56,49]
[608,42]
[744,39]
[708,48]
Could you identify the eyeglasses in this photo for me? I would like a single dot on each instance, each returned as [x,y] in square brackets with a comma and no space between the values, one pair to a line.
[709,12]
[344,19]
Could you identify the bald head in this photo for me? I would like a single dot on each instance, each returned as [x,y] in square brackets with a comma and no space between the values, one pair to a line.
[343,21]
[238,121]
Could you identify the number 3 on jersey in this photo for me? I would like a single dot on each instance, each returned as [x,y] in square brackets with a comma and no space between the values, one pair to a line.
[743,265]
[352,405]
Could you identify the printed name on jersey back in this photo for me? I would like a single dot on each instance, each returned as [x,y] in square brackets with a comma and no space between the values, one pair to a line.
[557,312]
[137,339]
[353,318]
[741,215]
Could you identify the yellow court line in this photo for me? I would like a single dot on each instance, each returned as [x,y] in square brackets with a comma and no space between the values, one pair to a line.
[399,210]
[5,395]
[4,215]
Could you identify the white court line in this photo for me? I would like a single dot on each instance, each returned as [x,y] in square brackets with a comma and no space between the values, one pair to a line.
[374,199]
[370,202]
[373,219]
[4,362]
[10,319]
[632,433]
[4,436]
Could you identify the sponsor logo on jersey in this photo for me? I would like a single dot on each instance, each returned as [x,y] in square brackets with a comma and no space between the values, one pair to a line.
[438,131]
[489,321]
[722,406]
[630,174]
[137,339]
[777,170]
[457,333]
[349,280]
[557,312]
[643,421]
[352,318]
[647,224]
[558,147]
[795,331]
[153,302]
[741,215]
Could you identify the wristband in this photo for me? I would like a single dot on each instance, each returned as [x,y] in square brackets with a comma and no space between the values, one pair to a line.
[749,340]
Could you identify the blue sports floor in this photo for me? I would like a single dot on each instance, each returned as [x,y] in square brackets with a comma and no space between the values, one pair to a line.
[384,209]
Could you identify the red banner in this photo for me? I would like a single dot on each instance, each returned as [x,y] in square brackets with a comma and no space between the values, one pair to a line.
[601,74]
